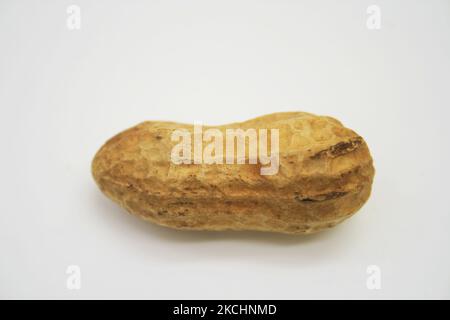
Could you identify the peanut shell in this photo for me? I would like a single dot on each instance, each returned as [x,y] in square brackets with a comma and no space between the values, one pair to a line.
[325,175]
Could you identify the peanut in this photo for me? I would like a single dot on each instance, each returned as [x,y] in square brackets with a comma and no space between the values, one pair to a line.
[325,175]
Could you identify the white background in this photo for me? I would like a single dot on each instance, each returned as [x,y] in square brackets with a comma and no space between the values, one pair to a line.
[64,92]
